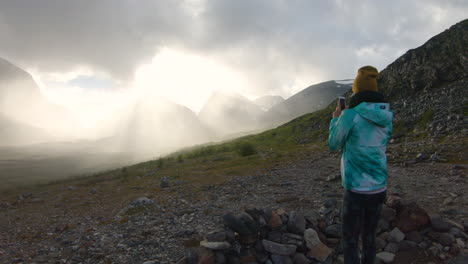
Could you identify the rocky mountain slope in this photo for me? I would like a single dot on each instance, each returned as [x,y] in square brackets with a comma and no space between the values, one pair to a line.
[429,85]
[427,89]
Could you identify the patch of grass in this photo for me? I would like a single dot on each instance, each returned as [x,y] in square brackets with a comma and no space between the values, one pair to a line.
[426,118]
[160,163]
[137,210]
[246,149]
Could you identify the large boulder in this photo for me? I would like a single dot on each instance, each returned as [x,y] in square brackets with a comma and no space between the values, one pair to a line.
[411,217]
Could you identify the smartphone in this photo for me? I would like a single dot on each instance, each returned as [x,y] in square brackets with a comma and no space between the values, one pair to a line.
[341,100]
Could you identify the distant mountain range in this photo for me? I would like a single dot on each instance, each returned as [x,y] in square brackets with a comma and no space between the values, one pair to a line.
[232,113]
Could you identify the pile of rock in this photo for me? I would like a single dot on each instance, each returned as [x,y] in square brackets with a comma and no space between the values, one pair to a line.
[406,226]
[277,236]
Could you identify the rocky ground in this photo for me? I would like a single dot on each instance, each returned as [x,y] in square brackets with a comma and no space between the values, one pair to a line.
[159,224]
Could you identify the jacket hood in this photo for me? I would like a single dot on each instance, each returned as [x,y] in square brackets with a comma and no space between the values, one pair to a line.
[377,113]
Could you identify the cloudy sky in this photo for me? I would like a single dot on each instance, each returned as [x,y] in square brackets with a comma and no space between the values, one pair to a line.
[87,51]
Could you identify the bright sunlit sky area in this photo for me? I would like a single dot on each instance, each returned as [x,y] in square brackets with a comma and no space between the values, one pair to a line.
[95,56]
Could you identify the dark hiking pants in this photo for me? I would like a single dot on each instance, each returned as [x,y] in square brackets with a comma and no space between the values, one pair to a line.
[361,213]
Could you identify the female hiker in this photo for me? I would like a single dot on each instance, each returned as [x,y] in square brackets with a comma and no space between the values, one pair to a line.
[361,132]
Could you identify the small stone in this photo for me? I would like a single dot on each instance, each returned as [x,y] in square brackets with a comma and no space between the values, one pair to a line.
[393,201]
[261,257]
[455,231]
[311,238]
[220,258]
[421,157]
[384,236]
[206,256]
[386,257]
[435,157]
[450,211]
[300,258]
[281,259]
[382,225]
[164,183]
[380,243]
[333,231]
[388,213]
[149,262]
[455,224]
[292,239]
[142,201]
[218,236]
[235,224]
[407,245]
[249,222]
[275,236]
[446,239]
[433,251]
[439,224]
[330,202]
[460,259]
[191,255]
[279,249]
[396,235]
[274,221]
[391,247]
[448,201]
[460,243]
[414,236]
[319,252]
[296,223]
[215,245]
[424,245]
[36,200]
[93,191]
[333,177]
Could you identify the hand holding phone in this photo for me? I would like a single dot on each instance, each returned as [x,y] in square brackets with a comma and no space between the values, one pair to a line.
[339,107]
[341,103]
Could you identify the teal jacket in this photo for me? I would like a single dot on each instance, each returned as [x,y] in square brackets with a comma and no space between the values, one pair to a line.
[362,133]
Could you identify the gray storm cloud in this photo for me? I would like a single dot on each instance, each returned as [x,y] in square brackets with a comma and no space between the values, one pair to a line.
[269,41]
[108,36]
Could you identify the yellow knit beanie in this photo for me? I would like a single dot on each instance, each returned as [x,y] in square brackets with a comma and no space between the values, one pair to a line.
[366,79]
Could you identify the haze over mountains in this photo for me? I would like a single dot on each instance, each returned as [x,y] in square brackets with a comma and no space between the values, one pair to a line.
[152,123]
[142,128]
